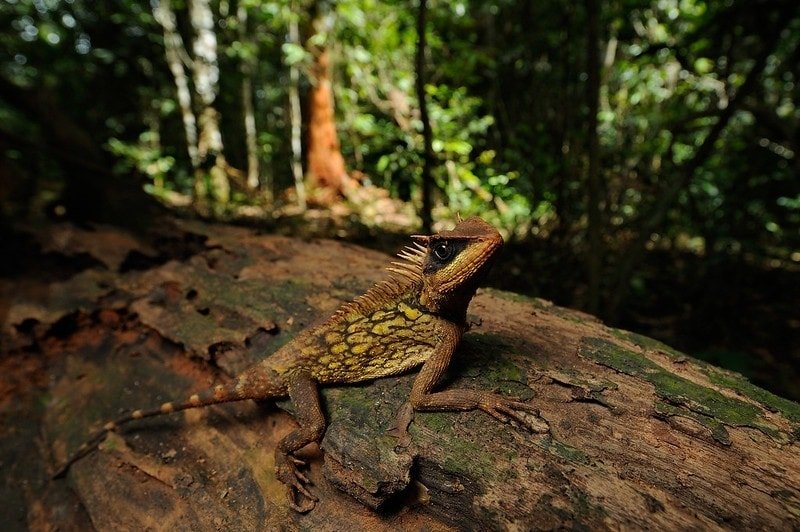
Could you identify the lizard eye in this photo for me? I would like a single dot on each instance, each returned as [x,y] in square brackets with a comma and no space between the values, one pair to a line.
[442,251]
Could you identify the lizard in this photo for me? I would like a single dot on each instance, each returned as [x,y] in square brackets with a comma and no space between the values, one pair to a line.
[415,317]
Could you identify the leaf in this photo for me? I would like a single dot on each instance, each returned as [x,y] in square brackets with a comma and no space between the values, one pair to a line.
[293,54]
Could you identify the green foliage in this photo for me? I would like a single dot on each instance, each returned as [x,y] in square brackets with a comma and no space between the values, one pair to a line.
[144,156]
[507,97]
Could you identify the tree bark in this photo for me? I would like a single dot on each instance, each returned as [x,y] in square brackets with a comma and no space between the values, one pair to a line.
[427,132]
[631,434]
[326,168]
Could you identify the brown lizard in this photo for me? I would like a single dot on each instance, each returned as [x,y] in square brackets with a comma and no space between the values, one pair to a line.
[415,317]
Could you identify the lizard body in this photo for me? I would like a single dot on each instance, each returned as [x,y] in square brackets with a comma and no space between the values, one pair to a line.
[414,318]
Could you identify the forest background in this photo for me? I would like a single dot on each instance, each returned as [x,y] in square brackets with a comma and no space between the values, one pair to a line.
[640,156]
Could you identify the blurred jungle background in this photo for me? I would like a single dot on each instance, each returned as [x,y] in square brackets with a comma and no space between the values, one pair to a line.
[640,156]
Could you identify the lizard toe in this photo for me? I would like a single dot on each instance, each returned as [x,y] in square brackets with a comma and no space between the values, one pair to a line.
[304,504]
[301,477]
[296,461]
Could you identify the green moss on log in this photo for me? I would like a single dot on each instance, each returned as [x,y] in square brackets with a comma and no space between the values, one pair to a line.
[678,391]
[789,409]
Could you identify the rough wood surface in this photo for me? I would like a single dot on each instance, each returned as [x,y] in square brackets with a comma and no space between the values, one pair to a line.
[633,435]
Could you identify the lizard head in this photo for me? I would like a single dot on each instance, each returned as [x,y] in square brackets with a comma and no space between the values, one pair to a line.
[454,264]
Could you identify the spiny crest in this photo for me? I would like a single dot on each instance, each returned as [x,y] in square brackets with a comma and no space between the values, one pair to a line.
[411,268]
[403,276]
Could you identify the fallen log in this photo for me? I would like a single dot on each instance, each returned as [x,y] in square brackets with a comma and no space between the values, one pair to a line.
[631,433]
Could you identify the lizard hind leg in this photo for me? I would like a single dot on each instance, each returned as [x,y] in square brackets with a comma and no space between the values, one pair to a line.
[304,394]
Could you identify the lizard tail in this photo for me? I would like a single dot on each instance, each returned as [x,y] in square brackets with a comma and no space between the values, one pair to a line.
[219,394]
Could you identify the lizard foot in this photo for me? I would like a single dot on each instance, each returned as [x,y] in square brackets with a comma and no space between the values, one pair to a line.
[287,471]
[509,410]
[400,429]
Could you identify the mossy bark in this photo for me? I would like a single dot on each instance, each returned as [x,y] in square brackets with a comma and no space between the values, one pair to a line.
[632,434]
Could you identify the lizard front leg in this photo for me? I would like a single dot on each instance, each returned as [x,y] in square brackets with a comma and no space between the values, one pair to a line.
[304,395]
[423,398]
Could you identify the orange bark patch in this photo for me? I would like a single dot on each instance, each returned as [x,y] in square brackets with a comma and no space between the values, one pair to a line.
[326,168]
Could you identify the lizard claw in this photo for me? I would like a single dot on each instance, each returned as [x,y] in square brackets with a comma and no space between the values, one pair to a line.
[286,470]
[508,410]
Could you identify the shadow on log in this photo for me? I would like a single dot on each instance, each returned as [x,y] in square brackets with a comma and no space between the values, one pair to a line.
[637,435]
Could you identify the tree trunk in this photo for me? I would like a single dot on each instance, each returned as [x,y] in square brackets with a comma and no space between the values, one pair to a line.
[631,434]
[250,132]
[296,117]
[326,168]
[211,178]
[174,51]
[594,200]
[427,133]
